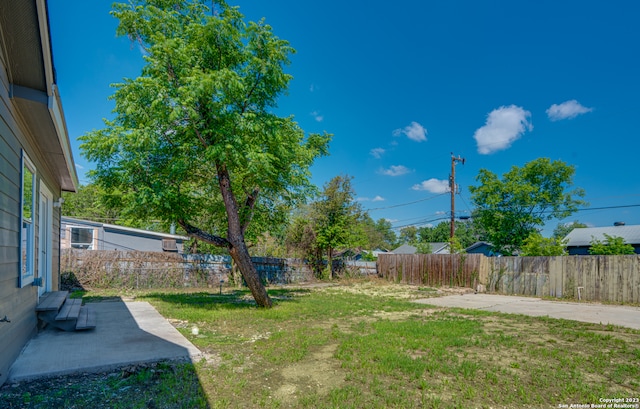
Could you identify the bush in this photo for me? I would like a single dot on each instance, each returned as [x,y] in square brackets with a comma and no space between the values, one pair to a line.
[612,245]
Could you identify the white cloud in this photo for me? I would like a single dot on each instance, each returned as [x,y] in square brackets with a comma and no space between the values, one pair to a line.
[377,152]
[366,199]
[414,131]
[79,166]
[317,116]
[433,185]
[504,126]
[567,110]
[395,170]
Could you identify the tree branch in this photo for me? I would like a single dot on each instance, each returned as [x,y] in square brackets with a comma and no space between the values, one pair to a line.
[248,98]
[247,210]
[193,231]
[204,143]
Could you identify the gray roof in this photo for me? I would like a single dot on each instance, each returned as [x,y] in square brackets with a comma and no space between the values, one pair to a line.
[112,227]
[439,248]
[584,236]
[405,249]
[436,248]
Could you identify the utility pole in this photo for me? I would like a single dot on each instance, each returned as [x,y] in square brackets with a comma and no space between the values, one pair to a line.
[453,188]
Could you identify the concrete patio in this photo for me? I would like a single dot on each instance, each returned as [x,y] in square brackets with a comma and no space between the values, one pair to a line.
[126,333]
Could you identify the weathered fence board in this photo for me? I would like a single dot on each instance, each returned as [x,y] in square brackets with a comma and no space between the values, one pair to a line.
[432,269]
[599,278]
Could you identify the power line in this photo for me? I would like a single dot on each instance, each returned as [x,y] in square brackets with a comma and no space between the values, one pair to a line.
[585,209]
[408,203]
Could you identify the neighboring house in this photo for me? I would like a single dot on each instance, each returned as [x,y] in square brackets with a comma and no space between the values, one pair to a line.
[579,240]
[482,247]
[436,248]
[36,166]
[405,249]
[84,234]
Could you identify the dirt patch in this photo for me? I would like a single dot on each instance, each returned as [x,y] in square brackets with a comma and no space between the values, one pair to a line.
[382,288]
[320,372]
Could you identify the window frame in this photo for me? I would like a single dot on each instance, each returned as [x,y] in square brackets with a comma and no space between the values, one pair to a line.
[89,245]
[27,233]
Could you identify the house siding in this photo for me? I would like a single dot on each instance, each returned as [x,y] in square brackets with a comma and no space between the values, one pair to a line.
[14,334]
[128,241]
[584,250]
[111,237]
[18,304]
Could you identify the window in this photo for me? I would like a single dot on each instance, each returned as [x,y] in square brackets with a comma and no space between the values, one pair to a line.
[27,213]
[82,238]
[169,245]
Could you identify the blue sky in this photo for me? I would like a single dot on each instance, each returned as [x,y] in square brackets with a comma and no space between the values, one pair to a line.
[404,85]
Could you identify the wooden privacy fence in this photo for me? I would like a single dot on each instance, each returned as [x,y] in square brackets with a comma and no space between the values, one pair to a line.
[591,278]
[461,270]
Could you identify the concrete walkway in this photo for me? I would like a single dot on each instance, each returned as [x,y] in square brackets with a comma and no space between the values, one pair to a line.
[587,312]
[125,334]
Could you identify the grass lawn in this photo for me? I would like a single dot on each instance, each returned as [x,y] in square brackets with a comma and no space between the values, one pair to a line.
[364,344]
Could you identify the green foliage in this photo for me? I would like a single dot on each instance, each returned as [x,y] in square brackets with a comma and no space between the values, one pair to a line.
[27,193]
[409,235]
[511,208]
[378,234]
[455,246]
[92,202]
[423,248]
[368,256]
[612,245]
[467,233]
[563,229]
[536,245]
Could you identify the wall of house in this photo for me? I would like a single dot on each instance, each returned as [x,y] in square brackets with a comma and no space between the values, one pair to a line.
[18,304]
[584,251]
[124,241]
[107,238]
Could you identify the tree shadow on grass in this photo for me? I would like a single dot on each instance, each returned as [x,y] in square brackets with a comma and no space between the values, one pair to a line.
[236,299]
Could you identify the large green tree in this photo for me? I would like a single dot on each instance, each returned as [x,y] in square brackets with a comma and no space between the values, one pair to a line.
[195,139]
[509,209]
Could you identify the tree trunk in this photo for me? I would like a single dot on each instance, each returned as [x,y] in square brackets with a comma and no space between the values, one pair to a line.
[237,246]
[240,255]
